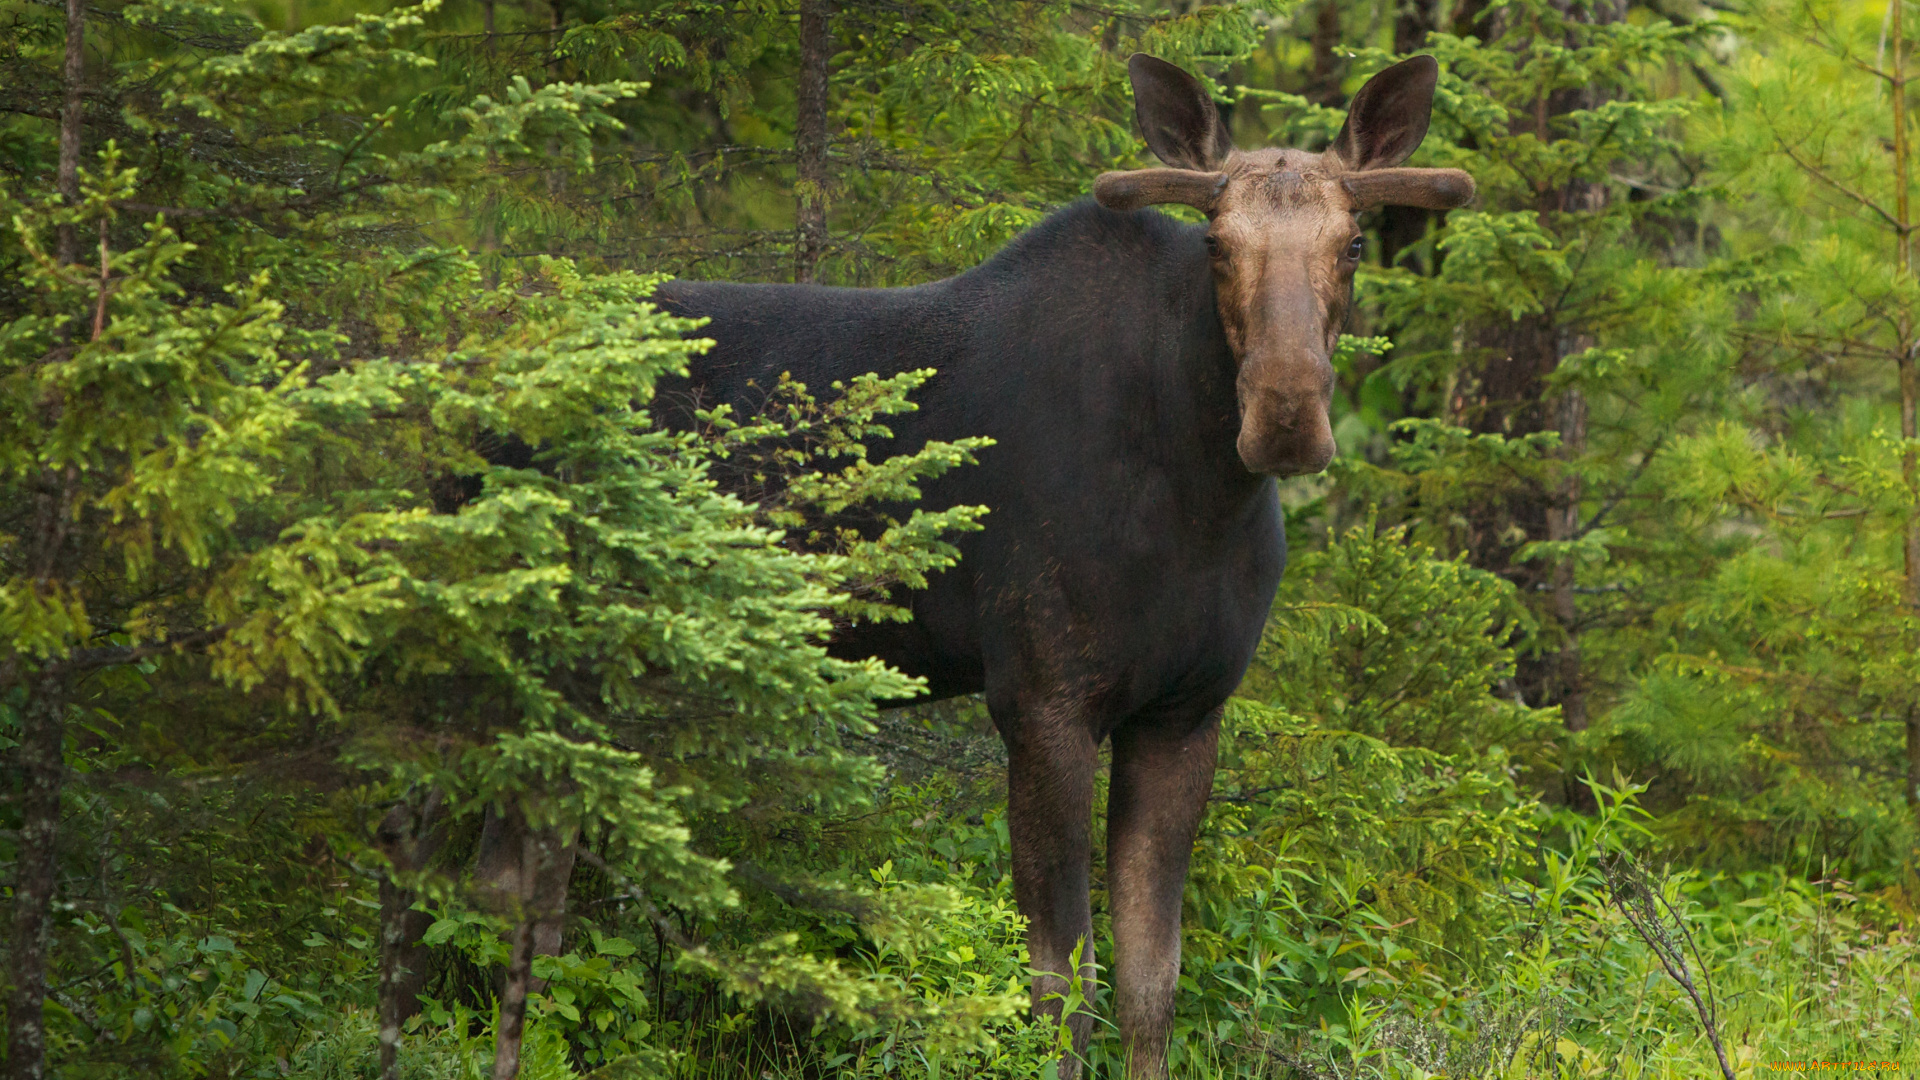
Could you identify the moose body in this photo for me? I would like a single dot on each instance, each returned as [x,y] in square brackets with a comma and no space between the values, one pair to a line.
[1143,382]
[1145,548]
[1128,559]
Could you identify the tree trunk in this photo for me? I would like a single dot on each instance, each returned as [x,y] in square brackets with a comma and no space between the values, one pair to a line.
[1323,85]
[41,756]
[72,110]
[1563,523]
[810,138]
[411,837]
[42,751]
[1466,17]
[1909,397]
[1514,400]
[511,1031]
[1904,359]
[1913,762]
[524,871]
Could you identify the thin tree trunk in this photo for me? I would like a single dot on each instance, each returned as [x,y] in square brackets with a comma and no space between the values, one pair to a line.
[511,1030]
[1323,85]
[411,837]
[1909,379]
[1515,399]
[1570,419]
[525,870]
[1909,395]
[1913,762]
[42,751]
[487,47]
[810,137]
[41,756]
[1563,523]
[72,110]
[1903,262]
[556,178]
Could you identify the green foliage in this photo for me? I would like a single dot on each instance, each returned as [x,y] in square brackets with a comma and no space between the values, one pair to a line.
[275,501]
[1378,636]
[330,474]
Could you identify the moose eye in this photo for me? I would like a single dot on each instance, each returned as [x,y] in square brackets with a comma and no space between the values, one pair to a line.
[1214,250]
[1356,248]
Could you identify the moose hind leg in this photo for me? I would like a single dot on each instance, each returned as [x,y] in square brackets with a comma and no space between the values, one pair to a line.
[1051,762]
[1160,783]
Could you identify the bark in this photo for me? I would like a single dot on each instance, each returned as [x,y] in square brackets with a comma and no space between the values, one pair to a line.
[1909,379]
[1466,17]
[1909,396]
[556,64]
[487,49]
[72,109]
[523,871]
[41,756]
[411,836]
[1913,762]
[1563,523]
[511,1031]
[1412,23]
[1909,393]
[1323,86]
[810,137]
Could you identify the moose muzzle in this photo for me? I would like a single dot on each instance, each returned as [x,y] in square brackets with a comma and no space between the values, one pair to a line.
[1284,426]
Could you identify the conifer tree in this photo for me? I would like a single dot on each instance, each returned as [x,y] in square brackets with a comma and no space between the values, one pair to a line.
[273,449]
[1813,623]
[1548,340]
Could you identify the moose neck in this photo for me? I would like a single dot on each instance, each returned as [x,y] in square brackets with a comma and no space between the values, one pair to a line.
[1124,303]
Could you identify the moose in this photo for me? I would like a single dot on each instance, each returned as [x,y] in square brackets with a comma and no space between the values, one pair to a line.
[1144,381]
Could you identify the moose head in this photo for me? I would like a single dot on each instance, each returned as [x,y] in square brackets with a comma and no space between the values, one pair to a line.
[1283,237]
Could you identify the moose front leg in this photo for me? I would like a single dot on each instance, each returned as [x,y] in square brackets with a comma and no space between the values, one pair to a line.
[1051,761]
[1162,775]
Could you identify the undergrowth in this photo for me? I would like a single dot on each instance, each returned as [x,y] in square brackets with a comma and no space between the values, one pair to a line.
[1799,969]
[1372,900]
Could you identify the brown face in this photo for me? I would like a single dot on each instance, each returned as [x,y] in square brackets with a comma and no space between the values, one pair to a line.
[1283,238]
[1283,245]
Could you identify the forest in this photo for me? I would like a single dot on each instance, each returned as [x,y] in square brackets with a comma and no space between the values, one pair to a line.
[1583,739]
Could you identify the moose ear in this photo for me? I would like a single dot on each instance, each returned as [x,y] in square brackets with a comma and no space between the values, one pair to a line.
[1388,117]
[1176,115]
